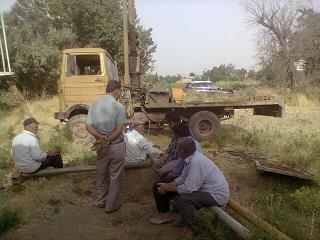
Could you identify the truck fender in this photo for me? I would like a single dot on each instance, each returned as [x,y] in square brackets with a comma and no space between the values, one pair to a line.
[76,110]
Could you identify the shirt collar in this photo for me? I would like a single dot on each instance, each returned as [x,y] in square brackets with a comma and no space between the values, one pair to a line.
[28,132]
[108,96]
[188,159]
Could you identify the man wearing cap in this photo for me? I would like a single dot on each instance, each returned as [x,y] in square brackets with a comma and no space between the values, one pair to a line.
[137,146]
[27,154]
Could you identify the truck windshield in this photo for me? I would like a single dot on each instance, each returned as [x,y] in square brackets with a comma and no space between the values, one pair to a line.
[83,65]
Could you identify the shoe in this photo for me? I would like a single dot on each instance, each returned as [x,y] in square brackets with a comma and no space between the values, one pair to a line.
[176,224]
[101,205]
[161,220]
[118,206]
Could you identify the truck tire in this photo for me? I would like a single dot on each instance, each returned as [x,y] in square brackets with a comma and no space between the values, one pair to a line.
[204,125]
[77,125]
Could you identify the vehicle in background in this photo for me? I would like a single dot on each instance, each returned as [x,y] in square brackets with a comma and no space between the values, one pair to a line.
[85,73]
[206,86]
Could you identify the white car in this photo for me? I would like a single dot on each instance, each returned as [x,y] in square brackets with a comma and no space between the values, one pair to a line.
[206,86]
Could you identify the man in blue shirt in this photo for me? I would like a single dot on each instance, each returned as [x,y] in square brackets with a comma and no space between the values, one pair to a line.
[180,130]
[106,120]
[165,164]
[200,185]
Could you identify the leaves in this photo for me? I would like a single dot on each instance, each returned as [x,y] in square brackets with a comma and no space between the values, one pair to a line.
[38,30]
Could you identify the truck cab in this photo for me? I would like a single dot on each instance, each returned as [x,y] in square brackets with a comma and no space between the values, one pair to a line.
[85,73]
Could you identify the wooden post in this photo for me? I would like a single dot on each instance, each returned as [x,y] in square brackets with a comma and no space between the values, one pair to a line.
[256,220]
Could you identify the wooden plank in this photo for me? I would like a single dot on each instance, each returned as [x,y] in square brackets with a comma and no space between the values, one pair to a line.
[274,167]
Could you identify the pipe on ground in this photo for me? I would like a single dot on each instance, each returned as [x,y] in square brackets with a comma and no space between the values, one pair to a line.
[256,220]
[59,171]
[230,222]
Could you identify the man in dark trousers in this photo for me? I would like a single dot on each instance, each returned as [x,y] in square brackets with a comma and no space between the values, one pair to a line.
[105,121]
[200,185]
[27,154]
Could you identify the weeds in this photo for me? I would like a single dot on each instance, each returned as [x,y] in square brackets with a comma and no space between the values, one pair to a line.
[308,199]
[208,226]
[8,219]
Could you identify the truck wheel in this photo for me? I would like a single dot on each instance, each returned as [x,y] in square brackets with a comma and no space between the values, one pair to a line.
[77,125]
[204,125]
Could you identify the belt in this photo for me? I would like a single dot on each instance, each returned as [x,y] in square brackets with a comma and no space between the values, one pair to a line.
[112,143]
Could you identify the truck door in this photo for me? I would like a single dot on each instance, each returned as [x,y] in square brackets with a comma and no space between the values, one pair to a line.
[85,78]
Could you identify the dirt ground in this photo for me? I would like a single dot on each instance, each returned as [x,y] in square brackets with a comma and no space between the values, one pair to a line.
[75,217]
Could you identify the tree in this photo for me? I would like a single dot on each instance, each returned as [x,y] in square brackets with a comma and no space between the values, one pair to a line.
[148,47]
[307,43]
[35,47]
[277,20]
[192,74]
[39,29]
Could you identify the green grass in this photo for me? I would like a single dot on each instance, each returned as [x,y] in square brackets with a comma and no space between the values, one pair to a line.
[8,219]
[298,149]
[208,226]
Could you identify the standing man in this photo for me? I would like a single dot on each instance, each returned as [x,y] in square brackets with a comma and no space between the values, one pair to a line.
[200,185]
[138,148]
[27,154]
[105,121]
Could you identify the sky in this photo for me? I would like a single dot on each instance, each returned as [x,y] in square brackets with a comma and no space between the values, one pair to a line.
[196,35]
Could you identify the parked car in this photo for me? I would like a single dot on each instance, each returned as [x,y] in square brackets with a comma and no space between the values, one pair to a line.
[206,86]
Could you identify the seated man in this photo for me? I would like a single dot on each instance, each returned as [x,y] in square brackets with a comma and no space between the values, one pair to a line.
[166,164]
[138,148]
[27,154]
[200,185]
[180,130]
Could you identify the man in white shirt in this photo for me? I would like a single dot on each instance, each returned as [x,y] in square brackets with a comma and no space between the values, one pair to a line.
[138,148]
[27,154]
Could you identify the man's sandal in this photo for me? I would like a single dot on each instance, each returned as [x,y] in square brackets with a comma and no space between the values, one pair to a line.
[161,220]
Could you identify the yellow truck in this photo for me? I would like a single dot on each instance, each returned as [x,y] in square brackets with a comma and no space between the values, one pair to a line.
[85,73]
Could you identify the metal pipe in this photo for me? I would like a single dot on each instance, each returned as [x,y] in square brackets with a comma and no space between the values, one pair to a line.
[256,220]
[5,41]
[230,222]
[59,171]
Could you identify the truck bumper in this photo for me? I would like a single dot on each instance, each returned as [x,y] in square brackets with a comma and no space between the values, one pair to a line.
[60,115]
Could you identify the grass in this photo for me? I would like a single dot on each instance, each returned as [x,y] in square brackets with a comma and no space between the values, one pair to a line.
[281,201]
[8,219]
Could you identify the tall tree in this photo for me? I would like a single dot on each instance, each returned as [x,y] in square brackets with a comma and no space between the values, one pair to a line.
[277,20]
[307,43]
[39,29]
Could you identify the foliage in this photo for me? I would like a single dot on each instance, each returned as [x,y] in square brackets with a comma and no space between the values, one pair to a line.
[208,226]
[288,37]
[309,200]
[306,43]
[225,73]
[148,48]
[60,139]
[8,219]
[39,30]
